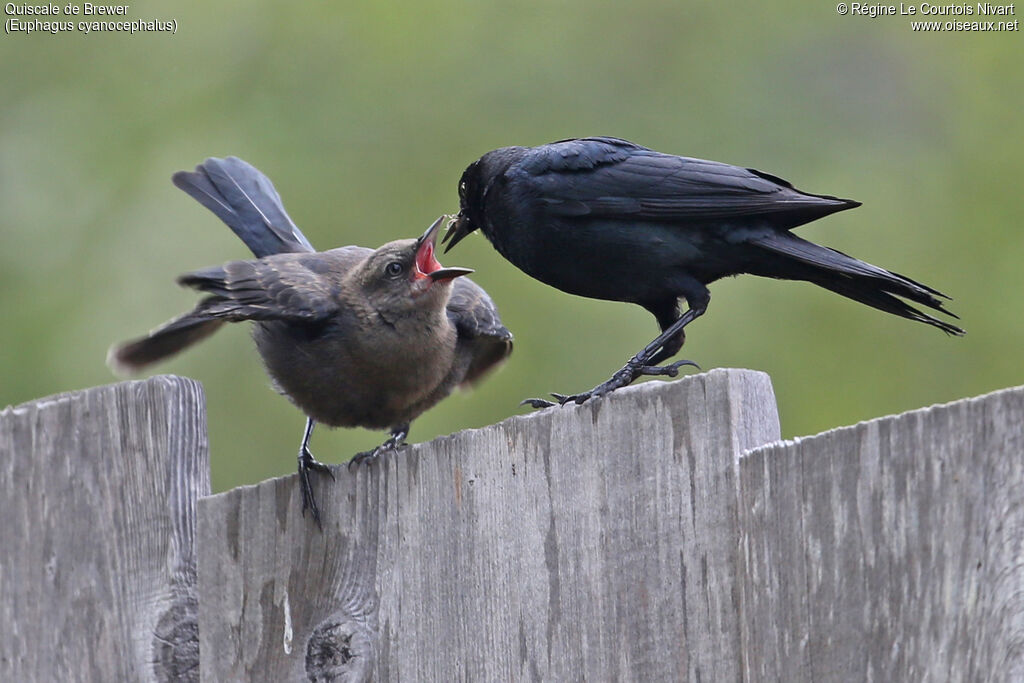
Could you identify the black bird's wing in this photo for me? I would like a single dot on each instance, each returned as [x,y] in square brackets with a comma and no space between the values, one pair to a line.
[247,201]
[612,178]
[481,335]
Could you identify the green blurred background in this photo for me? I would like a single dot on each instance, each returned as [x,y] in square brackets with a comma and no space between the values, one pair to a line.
[365,115]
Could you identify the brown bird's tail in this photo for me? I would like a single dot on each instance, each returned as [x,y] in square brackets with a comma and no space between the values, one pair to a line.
[163,342]
[245,199]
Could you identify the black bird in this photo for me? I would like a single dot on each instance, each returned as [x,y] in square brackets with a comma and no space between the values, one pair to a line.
[608,219]
[354,337]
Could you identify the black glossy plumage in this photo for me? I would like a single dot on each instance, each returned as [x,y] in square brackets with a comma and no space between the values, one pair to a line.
[608,219]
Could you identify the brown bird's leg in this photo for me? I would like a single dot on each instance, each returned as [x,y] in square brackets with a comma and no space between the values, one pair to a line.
[306,463]
[397,438]
[635,367]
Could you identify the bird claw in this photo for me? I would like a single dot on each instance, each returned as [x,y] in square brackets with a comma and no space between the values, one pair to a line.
[392,443]
[308,463]
[560,400]
[372,454]
[536,403]
[669,370]
[624,377]
[360,458]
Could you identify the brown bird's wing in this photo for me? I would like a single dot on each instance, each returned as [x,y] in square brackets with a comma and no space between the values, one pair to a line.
[481,335]
[258,290]
[288,287]
[163,342]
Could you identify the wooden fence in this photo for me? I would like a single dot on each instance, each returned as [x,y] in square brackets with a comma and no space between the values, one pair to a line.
[662,533]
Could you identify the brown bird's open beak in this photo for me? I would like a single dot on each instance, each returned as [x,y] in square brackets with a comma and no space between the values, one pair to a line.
[448,273]
[427,265]
[458,227]
[430,236]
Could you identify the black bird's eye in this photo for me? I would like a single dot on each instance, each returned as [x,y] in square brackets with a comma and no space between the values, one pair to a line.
[394,269]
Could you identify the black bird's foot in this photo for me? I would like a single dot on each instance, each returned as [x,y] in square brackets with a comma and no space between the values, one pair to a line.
[669,370]
[538,403]
[396,439]
[624,377]
[308,463]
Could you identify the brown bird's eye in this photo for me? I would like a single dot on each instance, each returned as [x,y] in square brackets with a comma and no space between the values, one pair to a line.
[394,269]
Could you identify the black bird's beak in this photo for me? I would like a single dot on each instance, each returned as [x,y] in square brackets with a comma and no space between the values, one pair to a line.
[458,227]
[427,265]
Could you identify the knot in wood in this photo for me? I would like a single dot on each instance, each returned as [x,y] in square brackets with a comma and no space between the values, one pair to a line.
[176,641]
[340,649]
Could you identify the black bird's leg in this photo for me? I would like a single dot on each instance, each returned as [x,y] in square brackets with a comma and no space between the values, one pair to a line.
[306,463]
[639,365]
[397,438]
[667,313]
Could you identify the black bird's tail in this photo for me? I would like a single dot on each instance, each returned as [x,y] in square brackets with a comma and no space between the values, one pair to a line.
[852,278]
[247,201]
[166,340]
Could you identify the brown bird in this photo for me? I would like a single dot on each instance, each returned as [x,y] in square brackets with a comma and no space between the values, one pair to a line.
[355,337]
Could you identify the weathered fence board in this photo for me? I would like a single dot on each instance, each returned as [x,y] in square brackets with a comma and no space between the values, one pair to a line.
[633,538]
[97,500]
[594,542]
[892,550]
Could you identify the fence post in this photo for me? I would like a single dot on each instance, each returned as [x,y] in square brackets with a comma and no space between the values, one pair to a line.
[892,550]
[637,538]
[593,542]
[98,490]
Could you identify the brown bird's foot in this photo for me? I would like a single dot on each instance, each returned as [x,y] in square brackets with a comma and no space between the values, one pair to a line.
[396,439]
[308,463]
[633,370]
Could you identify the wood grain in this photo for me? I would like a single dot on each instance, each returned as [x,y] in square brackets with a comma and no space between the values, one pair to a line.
[892,550]
[594,542]
[98,490]
[646,536]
